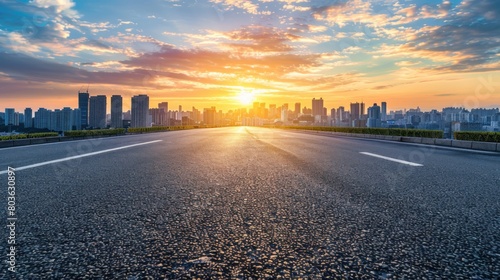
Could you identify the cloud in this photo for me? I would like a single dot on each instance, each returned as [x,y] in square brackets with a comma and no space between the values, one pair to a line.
[246,5]
[445,94]
[342,12]
[471,37]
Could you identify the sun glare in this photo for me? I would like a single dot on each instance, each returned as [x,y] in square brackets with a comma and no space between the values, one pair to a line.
[246,97]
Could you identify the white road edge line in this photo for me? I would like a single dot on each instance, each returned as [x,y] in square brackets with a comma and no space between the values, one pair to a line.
[78,156]
[392,159]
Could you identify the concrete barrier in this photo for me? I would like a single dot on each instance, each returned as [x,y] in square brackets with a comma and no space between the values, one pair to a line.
[461,144]
[63,139]
[485,146]
[6,143]
[22,142]
[411,139]
[443,142]
[38,141]
[52,139]
[429,141]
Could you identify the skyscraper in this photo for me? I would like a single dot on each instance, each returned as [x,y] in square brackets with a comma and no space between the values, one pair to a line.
[140,109]
[373,116]
[340,113]
[66,119]
[83,105]
[297,109]
[116,111]
[355,111]
[317,107]
[28,118]
[97,111]
[77,119]
[284,113]
[384,111]
[166,117]
[209,116]
[10,118]
[42,118]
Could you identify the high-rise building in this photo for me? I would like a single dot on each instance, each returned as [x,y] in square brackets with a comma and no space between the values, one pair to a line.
[272,111]
[140,108]
[42,118]
[10,118]
[374,117]
[116,111]
[157,116]
[83,105]
[297,109]
[55,120]
[361,110]
[28,118]
[341,113]
[77,119]
[317,107]
[166,117]
[284,113]
[66,119]
[333,113]
[384,111]
[97,111]
[209,116]
[355,111]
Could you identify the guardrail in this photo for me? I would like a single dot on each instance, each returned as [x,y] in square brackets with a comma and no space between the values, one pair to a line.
[474,145]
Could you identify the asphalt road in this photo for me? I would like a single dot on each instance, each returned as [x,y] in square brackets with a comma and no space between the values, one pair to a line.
[251,202]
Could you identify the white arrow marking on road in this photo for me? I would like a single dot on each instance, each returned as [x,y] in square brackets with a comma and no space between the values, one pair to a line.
[78,156]
[392,159]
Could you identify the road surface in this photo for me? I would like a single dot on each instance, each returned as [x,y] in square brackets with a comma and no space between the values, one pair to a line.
[246,202]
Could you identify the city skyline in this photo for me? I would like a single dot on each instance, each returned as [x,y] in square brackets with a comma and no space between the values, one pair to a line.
[230,53]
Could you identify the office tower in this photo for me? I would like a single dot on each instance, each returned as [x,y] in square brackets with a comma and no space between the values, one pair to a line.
[28,118]
[361,110]
[333,114]
[209,116]
[83,105]
[355,111]
[157,116]
[166,117]
[272,111]
[116,111]
[297,109]
[284,113]
[340,113]
[19,118]
[66,119]
[10,118]
[77,119]
[55,120]
[42,118]
[317,107]
[97,111]
[140,108]
[374,116]
[384,111]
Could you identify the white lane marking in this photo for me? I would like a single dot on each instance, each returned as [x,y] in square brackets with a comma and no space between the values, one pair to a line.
[78,156]
[392,159]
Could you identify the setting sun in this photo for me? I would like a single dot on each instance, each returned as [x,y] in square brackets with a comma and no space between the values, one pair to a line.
[246,97]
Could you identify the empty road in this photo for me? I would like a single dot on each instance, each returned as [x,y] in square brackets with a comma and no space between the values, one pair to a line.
[245,202]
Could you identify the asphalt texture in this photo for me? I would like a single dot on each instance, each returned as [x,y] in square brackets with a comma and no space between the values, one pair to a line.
[252,203]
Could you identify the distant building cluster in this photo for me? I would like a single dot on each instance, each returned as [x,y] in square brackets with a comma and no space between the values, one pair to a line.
[92,114]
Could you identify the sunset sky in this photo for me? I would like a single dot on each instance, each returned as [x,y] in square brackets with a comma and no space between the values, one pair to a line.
[201,53]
